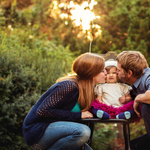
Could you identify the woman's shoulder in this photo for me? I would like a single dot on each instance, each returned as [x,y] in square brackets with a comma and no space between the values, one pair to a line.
[68,83]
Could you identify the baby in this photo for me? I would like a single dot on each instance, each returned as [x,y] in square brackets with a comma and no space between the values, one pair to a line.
[112,97]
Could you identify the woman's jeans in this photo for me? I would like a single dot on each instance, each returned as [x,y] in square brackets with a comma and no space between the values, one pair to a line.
[143,142]
[63,135]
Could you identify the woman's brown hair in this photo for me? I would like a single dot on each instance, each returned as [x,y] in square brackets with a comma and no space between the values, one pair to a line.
[86,66]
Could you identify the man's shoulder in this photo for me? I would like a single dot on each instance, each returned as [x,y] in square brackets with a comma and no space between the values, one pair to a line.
[145,78]
[146,74]
[147,71]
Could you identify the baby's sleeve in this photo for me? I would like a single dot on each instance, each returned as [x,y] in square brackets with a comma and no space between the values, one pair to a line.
[125,89]
[98,90]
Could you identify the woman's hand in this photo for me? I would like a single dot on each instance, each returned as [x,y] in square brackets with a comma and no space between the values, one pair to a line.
[86,114]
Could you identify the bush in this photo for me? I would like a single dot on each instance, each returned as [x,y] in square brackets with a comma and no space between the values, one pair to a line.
[25,74]
[137,129]
[103,136]
[17,90]
[44,57]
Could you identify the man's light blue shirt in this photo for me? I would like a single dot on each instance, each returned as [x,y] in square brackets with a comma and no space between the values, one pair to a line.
[142,84]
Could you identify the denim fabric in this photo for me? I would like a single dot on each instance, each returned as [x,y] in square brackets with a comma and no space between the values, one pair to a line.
[63,135]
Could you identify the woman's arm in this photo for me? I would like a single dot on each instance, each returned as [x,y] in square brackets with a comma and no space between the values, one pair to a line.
[57,104]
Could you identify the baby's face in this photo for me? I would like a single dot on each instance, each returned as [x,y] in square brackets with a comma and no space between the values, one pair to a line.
[112,75]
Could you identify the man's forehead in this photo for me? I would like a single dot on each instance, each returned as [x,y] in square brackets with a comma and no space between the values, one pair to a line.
[119,65]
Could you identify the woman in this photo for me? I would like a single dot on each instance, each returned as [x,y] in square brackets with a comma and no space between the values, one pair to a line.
[51,123]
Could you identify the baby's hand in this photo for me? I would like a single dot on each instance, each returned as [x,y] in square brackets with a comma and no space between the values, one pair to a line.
[122,100]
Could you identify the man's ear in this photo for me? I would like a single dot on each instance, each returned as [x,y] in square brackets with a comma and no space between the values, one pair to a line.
[129,74]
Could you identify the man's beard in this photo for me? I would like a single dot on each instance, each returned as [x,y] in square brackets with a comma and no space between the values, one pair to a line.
[123,79]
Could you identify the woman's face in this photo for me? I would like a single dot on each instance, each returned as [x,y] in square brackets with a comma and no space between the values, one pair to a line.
[100,78]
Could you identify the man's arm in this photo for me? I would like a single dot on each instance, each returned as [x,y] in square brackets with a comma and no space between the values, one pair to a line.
[136,108]
[143,98]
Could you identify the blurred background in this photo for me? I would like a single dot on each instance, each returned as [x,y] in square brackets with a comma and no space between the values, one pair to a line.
[39,39]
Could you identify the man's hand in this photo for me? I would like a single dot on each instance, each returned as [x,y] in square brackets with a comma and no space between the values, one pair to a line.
[122,100]
[86,114]
[136,108]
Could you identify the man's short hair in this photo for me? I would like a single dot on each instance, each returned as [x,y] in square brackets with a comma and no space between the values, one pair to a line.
[134,61]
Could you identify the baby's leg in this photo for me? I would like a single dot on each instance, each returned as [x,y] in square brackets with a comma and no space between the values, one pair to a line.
[100,113]
[130,114]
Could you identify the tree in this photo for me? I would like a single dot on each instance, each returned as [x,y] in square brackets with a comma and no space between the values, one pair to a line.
[125,25]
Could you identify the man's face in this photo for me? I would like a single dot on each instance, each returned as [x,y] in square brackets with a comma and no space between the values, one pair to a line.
[121,74]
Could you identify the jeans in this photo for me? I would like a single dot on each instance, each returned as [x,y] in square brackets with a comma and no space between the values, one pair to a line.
[63,135]
[143,142]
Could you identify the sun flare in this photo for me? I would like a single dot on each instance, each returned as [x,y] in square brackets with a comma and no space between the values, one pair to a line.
[80,14]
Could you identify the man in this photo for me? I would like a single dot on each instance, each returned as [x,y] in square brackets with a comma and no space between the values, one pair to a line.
[133,69]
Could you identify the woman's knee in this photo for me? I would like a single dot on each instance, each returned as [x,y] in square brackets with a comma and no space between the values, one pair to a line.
[85,132]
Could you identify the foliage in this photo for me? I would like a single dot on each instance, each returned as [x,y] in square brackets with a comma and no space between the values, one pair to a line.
[102,137]
[47,16]
[125,26]
[137,129]
[17,91]
[35,44]
[39,54]
[28,67]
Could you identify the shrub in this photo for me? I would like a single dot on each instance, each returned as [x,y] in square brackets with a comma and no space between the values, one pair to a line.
[137,129]
[102,137]
[17,90]
[25,74]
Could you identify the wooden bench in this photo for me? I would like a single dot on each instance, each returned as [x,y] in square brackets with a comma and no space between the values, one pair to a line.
[125,123]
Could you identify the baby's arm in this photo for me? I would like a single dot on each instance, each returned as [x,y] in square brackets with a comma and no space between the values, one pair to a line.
[100,98]
[125,99]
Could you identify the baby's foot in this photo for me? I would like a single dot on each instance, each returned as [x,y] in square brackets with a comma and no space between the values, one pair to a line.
[100,113]
[124,115]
